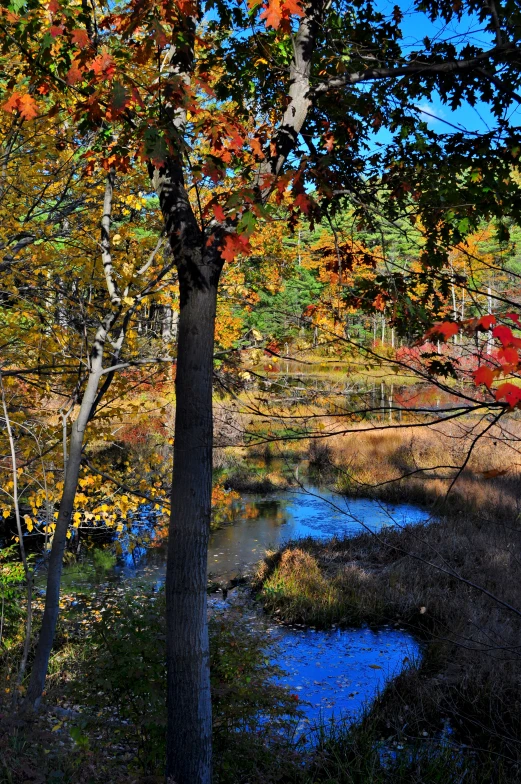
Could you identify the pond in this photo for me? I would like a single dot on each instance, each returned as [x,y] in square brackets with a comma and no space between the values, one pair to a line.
[334,672]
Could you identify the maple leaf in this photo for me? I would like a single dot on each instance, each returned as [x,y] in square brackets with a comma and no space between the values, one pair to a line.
[483,375]
[23,103]
[486,322]
[120,98]
[219,213]
[256,147]
[443,331]
[74,74]
[513,317]
[81,38]
[303,203]
[28,107]
[53,6]
[56,30]
[505,336]
[510,392]
[11,105]
[293,7]
[272,14]
[103,65]
[233,245]
[509,356]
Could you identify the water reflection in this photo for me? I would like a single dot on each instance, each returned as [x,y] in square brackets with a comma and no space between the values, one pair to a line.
[309,512]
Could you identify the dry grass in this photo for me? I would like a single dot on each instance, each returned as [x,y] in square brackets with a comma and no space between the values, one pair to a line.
[418,464]
[432,578]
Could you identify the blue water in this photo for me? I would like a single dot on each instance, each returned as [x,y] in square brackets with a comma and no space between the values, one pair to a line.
[333,673]
[336,673]
[289,515]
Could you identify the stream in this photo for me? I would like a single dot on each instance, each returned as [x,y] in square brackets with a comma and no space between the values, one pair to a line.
[333,672]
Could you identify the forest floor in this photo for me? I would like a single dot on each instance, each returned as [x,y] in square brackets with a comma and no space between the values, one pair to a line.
[454,581]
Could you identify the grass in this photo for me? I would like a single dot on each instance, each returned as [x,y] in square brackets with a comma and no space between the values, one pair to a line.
[431,578]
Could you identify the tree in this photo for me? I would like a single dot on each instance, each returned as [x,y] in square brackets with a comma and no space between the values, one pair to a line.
[224,135]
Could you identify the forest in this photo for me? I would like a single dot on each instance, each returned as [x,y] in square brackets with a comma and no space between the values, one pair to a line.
[260,391]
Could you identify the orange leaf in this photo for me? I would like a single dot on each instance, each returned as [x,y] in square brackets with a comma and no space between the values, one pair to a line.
[293,7]
[25,104]
[233,245]
[444,330]
[74,74]
[28,107]
[11,105]
[483,375]
[272,13]
[256,147]
[103,64]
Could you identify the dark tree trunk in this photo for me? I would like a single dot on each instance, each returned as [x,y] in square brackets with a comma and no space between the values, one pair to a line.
[189,747]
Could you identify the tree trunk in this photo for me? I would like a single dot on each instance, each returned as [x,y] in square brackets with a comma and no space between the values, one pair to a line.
[52,594]
[189,749]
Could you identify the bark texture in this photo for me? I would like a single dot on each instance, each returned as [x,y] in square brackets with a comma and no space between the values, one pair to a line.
[189,705]
[189,729]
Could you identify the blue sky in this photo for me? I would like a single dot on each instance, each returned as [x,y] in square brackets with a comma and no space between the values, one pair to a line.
[416,27]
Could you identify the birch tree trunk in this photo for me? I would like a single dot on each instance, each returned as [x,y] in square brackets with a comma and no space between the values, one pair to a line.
[52,595]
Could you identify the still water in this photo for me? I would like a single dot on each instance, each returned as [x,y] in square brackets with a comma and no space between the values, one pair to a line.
[335,672]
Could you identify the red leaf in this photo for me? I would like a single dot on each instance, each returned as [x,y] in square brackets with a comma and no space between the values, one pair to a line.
[53,6]
[218,212]
[444,330]
[233,245]
[508,355]
[510,393]
[513,317]
[486,322]
[81,38]
[303,203]
[504,334]
[483,375]
[56,30]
